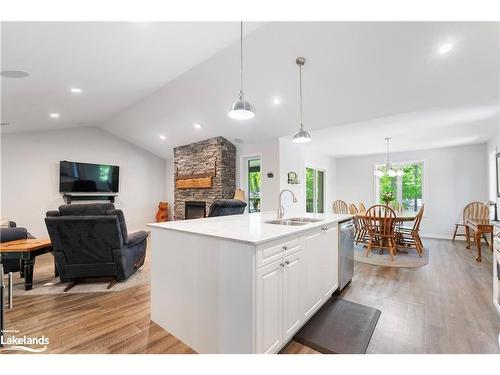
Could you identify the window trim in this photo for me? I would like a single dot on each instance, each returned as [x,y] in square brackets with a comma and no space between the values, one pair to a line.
[304,191]
[403,162]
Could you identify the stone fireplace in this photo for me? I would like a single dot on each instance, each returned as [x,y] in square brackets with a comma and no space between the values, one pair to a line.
[204,172]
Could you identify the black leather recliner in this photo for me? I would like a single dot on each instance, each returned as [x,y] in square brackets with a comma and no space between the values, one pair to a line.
[223,207]
[91,240]
[12,233]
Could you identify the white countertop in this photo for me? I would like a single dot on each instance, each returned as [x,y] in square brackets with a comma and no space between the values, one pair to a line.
[247,228]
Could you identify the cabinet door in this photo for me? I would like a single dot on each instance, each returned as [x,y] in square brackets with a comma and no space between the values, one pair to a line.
[292,314]
[312,284]
[269,305]
[331,260]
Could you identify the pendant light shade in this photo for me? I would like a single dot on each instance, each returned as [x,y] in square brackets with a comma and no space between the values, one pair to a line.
[241,109]
[301,136]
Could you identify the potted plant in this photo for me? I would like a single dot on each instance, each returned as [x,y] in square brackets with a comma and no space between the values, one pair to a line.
[387,197]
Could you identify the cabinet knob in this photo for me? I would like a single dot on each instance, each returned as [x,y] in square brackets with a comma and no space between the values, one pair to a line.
[282,264]
[287,262]
[285,247]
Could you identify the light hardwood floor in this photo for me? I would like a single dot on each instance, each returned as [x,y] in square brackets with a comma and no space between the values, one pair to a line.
[444,307]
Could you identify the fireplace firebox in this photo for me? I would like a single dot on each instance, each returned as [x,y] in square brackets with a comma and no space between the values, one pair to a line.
[195,209]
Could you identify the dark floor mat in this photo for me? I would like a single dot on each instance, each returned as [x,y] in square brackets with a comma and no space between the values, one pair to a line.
[339,327]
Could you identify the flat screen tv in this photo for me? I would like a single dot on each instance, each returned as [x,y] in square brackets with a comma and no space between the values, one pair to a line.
[77,177]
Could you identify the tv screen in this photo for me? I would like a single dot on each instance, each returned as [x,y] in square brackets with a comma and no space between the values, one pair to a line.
[87,178]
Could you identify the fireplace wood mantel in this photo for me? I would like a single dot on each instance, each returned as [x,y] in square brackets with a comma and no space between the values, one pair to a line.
[194,183]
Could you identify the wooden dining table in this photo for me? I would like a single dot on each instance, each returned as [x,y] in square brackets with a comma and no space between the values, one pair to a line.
[401,217]
[480,228]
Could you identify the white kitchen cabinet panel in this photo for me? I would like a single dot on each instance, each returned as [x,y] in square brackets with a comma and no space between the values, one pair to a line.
[330,266]
[312,283]
[269,295]
[292,313]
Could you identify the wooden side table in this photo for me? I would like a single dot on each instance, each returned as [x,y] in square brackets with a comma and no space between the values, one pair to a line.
[27,250]
[480,227]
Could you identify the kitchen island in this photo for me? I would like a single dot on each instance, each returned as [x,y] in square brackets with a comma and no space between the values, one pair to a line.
[241,284]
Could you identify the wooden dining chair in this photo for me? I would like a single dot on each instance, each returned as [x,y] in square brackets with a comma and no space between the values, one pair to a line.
[410,237]
[359,228]
[362,208]
[340,207]
[474,210]
[380,221]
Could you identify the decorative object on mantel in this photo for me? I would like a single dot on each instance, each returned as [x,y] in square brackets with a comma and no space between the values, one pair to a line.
[240,195]
[388,169]
[195,181]
[162,214]
[293,178]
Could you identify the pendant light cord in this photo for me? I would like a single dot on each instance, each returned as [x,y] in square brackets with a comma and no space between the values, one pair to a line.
[241,59]
[300,95]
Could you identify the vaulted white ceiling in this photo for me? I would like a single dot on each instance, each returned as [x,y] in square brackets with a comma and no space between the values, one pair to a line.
[114,63]
[361,81]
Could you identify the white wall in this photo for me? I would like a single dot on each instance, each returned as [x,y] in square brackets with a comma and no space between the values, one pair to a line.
[270,161]
[294,158]
[30,174]
[454,176]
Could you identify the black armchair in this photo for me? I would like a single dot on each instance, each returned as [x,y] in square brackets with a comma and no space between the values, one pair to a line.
[12,233]
[91,240]
[223,207]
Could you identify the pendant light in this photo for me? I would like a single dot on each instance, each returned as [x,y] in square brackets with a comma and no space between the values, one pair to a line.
[241,109]
[388,170]
[301,136]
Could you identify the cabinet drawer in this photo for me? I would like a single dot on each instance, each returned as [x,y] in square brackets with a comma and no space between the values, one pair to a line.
[271,251]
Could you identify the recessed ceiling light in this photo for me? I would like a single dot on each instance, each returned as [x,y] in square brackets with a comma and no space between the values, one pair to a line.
[445,48]
[197,126]
[14,74]
[276,101]
[162,137]
[76,90]
[54,115]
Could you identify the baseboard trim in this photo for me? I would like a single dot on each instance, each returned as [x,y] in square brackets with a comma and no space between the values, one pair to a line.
[437,236]
[448,237]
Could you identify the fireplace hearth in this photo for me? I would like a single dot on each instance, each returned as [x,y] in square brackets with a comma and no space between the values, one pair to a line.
[195,210]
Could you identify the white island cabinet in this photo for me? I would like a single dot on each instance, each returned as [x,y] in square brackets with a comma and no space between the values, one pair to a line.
[236,284]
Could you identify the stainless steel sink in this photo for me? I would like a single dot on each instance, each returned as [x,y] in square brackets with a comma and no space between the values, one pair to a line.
[304,219]
[294,221]
[285,222]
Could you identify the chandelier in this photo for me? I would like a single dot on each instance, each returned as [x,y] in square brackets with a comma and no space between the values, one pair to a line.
[388,169]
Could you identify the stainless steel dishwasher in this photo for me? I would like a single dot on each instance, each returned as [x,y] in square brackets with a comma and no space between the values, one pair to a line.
[346,253]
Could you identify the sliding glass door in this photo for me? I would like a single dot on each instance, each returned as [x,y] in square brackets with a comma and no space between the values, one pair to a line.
[315,190]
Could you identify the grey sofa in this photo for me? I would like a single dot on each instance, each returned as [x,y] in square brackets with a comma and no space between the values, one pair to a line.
[91,240]
[223,207]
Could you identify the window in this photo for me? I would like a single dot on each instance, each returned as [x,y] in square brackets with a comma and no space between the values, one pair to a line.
[254,185]
[315,190]
[407,189]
